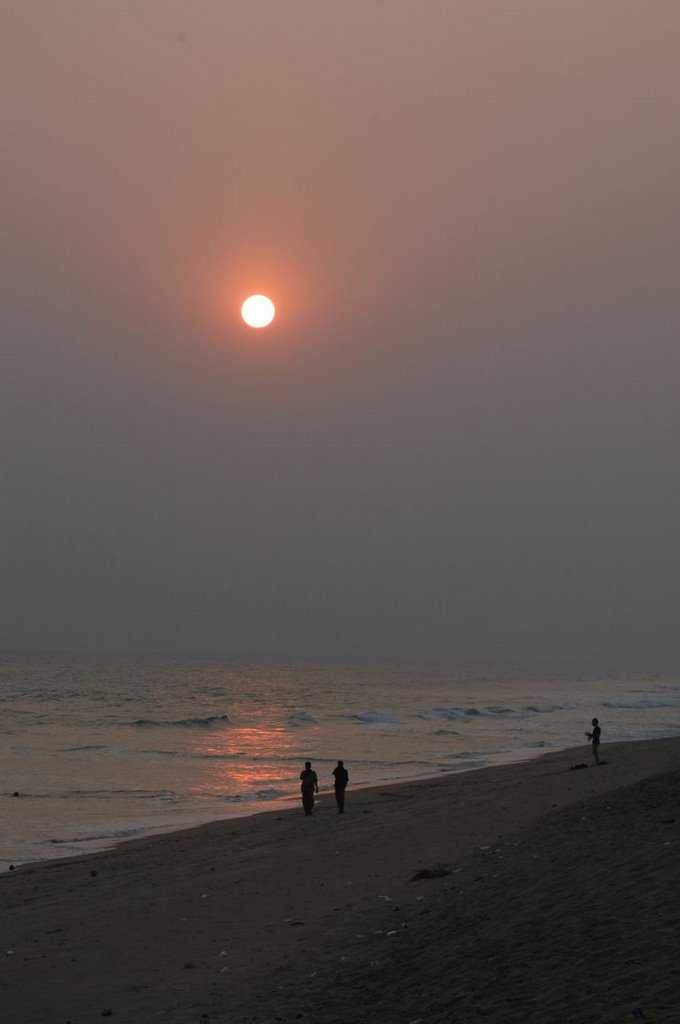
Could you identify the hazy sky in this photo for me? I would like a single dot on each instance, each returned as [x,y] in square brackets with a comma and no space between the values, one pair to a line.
[459,438]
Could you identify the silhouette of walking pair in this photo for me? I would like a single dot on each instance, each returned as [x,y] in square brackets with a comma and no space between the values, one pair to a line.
[309,786]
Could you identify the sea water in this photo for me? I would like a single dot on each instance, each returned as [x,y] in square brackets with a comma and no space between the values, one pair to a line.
[101,749]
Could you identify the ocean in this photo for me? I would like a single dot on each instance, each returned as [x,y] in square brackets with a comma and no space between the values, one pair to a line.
[94,750]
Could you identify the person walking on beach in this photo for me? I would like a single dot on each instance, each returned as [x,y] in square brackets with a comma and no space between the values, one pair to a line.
[309,785]
[594,737]
[341,779]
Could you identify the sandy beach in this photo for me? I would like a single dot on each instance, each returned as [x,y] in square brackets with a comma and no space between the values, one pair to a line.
[545,895]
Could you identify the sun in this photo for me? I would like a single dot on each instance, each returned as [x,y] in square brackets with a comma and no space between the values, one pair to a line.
[258,311]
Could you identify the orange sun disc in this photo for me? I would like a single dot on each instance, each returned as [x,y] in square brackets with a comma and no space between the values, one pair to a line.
[258,311]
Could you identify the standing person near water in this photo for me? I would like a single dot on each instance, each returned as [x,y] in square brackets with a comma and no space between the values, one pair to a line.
[309,785]
[594,736]
[341,779]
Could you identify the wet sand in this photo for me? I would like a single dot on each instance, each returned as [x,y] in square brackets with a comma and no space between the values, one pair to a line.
[548,895]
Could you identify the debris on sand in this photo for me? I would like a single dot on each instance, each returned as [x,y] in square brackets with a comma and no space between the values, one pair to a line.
[438,871]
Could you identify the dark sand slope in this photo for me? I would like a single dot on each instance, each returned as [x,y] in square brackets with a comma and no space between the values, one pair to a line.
[560,904]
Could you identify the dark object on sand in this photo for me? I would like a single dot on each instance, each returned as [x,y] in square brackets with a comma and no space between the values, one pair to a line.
[93,874]
[11,867]
[577,767]
[15,793]
[438,871]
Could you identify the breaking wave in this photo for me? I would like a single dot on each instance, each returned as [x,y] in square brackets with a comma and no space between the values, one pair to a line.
[259,794]
[180,723]
[644,704]
[301,718]
[457,714]
[373,718]
[119,833]
[548,709]
[88,746]
[493,710]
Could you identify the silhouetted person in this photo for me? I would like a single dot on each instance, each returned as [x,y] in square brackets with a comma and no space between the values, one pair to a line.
[309,784]
[594,737]
[341,779]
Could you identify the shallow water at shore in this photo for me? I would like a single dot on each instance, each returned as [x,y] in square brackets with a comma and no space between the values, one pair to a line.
[104,749]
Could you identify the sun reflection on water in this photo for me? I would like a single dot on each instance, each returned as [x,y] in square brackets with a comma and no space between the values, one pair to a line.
[248,760]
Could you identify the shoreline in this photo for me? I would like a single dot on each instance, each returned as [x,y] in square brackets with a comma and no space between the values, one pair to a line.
[278,916]
[251,809]
[278,805]
[291,802]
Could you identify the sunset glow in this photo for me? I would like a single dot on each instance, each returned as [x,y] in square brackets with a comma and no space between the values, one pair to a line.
[258,311]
